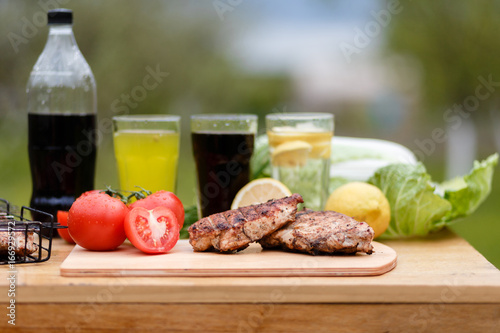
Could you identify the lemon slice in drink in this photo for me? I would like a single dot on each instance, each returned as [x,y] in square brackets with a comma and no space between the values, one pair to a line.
[291,154]
[259,191]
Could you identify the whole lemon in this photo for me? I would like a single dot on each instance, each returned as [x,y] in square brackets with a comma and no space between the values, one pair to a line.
[363,202]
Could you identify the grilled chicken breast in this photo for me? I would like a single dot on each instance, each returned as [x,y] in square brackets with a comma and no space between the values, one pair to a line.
[322,233]
[235,229]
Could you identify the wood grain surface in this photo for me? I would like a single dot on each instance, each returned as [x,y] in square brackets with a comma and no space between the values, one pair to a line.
[182,261]
[249,318]
[440,268]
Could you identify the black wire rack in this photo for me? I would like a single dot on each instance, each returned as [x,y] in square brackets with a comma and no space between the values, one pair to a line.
[23,240]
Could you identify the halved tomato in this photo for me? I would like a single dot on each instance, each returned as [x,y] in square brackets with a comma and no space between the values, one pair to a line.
[152,231]
[164,199]
[62,218]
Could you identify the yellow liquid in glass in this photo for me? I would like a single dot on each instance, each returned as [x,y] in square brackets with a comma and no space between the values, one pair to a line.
[318,143]
[301,160]
[147,158]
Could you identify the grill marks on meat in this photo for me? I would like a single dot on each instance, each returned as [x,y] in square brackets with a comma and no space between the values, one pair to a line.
[276,224]
[235,229]
[322,233]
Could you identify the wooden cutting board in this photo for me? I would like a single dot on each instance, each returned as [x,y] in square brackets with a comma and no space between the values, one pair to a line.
[253,261]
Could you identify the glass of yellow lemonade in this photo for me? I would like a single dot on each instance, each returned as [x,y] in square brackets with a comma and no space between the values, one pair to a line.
[147,151]
[300,145]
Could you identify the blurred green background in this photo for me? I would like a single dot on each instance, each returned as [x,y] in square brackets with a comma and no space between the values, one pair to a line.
[392,70]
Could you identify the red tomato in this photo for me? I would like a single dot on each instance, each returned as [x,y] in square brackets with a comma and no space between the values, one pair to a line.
[163,199]
[62,218]
[152,231]
[95,221]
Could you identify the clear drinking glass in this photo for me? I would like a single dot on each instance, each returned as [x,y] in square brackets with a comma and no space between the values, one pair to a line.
[222,147]
[300,145]
[147,151]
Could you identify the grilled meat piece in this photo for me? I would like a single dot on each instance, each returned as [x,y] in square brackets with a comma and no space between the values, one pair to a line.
[322,233]
[15,234]
[235,229]
[22,242]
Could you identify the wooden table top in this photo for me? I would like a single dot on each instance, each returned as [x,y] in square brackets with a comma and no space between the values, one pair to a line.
[442,268]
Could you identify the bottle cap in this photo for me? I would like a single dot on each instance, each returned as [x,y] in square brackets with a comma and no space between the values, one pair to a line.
[60,16]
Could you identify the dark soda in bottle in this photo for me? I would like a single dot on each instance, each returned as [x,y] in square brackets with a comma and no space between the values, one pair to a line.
[61,120]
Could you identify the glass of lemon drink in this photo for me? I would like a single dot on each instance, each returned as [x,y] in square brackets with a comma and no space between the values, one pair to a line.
[147,151]
[300,145]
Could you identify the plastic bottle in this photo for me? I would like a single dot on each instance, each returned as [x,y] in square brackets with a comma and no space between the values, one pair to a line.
[61,120]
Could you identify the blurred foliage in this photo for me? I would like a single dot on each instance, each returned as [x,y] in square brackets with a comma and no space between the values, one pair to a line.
[120,39]
[455,43]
